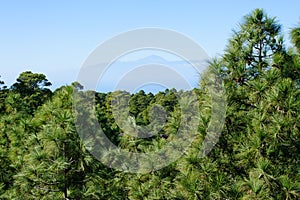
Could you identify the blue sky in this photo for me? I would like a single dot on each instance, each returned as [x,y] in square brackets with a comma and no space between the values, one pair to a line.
[55,37]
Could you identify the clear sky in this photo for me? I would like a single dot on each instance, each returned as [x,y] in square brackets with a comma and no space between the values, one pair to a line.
[55,37]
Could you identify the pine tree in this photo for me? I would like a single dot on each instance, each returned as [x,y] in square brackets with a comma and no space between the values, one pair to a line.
[57,165]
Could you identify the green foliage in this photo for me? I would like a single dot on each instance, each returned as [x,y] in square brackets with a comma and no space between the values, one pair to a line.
[32,90]
[256,156]
[1,83]
[3,94]
[295,35]
[251,48]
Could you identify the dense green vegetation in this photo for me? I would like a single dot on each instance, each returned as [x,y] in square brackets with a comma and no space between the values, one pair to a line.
[256,157]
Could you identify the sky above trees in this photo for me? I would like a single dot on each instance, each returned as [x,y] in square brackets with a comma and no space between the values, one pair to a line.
[76,144]
[56,37]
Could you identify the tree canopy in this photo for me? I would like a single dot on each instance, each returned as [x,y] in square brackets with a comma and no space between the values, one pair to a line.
[42,156]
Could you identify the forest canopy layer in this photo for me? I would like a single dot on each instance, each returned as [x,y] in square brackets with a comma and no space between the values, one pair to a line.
[256,156]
